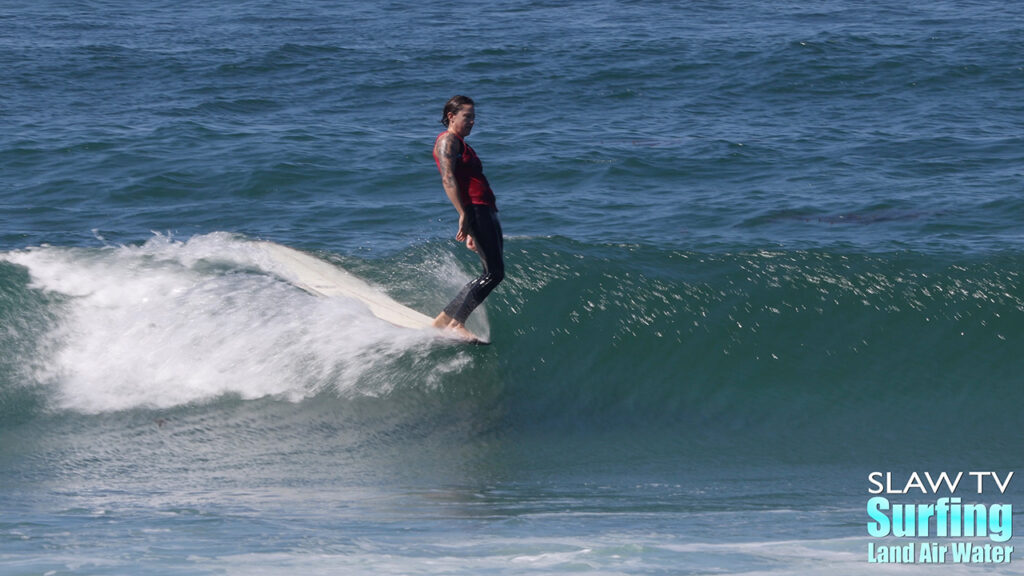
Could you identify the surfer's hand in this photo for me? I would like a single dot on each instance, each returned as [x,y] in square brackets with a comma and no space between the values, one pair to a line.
[464,227]
[470,243]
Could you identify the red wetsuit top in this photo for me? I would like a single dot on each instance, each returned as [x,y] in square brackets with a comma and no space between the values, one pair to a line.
[469,173]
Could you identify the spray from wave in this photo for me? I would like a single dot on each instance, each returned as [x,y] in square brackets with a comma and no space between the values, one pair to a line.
[169,323]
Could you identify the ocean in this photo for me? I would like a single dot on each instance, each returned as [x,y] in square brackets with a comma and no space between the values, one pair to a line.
[764,288]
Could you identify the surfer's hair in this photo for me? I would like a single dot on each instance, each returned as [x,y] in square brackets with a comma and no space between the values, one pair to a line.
[454,105]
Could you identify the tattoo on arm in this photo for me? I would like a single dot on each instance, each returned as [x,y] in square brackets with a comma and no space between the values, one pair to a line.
[447,154]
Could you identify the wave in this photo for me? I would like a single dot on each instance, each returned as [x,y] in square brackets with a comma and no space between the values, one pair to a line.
[807,345]
[825,350]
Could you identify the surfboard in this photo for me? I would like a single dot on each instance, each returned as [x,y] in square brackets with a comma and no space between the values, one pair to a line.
[322,278]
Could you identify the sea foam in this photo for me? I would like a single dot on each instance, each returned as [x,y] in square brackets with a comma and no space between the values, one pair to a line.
[172,322]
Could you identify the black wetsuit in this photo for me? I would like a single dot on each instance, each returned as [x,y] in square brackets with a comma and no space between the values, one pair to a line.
[486,232]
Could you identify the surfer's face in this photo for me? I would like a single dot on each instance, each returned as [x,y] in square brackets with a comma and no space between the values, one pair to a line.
[461,122]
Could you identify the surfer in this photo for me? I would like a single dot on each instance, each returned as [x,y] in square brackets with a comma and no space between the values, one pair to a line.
[462,176]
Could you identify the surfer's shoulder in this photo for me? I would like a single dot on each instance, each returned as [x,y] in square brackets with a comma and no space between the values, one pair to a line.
[448,145]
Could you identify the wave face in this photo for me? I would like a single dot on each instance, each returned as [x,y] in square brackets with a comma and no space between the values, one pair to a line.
[811,349]
[821,351]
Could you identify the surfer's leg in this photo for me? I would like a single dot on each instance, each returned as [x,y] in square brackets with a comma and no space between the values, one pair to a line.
[486,232]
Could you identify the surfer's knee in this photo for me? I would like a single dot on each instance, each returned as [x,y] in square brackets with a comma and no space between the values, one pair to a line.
[494,277]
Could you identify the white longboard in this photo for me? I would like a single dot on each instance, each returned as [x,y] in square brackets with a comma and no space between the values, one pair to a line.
[322,278]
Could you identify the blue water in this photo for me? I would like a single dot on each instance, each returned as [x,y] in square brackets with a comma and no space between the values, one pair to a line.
[755,252]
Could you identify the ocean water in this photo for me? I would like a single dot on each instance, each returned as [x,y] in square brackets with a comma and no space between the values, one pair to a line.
[756,252]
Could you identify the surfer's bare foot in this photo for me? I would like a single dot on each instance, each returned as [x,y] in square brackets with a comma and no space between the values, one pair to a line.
[449,324]
[443,320]
[461,331]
